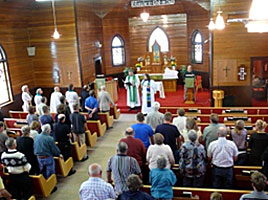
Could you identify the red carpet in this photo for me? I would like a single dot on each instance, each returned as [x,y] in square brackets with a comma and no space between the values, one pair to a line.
[172,99]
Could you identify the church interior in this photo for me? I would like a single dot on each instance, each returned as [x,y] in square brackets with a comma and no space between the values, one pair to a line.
[55,43]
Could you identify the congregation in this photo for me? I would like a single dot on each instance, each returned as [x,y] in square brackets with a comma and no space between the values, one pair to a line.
[156,143]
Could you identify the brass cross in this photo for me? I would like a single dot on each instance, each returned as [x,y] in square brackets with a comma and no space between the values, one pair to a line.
[69,74]
[226,69]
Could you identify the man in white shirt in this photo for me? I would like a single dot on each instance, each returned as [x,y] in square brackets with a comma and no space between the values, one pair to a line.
[72,97]
[26,98]
[55,100]
[222,153]
[180,121]
[155,117]
[38,96]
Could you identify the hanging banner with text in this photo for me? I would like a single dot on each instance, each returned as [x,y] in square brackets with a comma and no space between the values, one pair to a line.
[147,3]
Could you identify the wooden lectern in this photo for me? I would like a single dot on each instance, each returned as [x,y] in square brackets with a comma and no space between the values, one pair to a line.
[189,84]
[218,96]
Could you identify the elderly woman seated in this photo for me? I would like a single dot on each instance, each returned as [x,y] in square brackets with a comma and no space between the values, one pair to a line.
[192,161]
[162,180]
[159,149]
[134,183]
[258,141]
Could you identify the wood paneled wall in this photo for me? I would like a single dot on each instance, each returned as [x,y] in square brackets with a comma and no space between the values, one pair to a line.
[175,27]
[115,22]
[15,16]
[89,27]
[234,42]
[50,53]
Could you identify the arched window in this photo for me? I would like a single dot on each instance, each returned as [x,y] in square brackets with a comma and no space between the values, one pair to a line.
[162,39]
[197,48]
[118,51]
[5,88]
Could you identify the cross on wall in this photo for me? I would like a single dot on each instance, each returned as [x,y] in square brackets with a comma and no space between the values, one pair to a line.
[226,69]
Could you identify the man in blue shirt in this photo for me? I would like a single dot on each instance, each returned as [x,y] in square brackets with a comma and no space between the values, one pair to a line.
[143,131]
[91,105]
[45,148]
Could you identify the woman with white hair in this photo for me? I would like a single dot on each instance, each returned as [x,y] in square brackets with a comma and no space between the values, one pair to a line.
[162,180]
[26,98]
[38,96]
[192,161]
[155,118]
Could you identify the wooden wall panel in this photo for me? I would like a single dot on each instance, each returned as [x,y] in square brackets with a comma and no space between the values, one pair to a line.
[115,22]
[234,42]
[175,27]
[196,21]
[89,32]
[13,37]
[50,53]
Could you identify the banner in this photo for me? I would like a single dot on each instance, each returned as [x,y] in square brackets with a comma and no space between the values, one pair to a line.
[147,3]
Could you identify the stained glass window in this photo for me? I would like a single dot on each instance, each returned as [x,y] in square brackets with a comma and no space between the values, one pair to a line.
[161,38]
[197,48]
[5,88]
[118,51]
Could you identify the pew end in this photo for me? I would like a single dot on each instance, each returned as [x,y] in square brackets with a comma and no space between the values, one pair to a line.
[115,112]
[106,118]
[63,167]
[78,153]
[91,139]
[43,187]
[96,126]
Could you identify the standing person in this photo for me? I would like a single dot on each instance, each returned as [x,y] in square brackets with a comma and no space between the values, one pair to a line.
[162,180]
[35,128]
[180,121]
[155,118]
[192,161]
[3,138]
[79,126]
[72,97]
[257,143]
[18,169]
[31,116]
[159,149]
[211,131]
[25,145]
[26,98]
[171,134]
[191,124]
[104,100]
[63,108]
[188,74]
[222,153]
[84,95]
[45,148]
[91,105]
[63,135]
[55,100]
[132,84]
[38,96]
[143,131]
[95,187]
[136,148]
[148,89]
[46,118]
[39,108]
[122,166]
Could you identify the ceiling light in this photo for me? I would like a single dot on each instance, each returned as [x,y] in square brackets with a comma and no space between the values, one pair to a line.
[211,25]
[144,16]
[56,34]
[219,25]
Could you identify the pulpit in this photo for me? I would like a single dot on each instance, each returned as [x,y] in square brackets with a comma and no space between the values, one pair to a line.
[111,87]
[189,84]
[218,96]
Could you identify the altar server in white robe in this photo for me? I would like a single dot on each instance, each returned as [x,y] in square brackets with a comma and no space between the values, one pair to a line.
[71,97]
[38,96]
[148,89]
[26,98]
[55,100]
[132,84]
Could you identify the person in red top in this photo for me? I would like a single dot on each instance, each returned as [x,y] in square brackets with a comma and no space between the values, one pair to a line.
[136,147]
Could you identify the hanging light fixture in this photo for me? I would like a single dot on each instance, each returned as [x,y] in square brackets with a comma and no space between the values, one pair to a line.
[219,23]
[258,17]
[56,34]
[144,16]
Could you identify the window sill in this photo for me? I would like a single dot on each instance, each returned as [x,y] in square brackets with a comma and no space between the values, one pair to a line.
[6,103]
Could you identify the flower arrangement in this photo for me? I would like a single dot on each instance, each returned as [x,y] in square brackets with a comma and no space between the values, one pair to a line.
[173,62]
[140,59]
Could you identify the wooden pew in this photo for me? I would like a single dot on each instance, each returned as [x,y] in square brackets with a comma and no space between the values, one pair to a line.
[43,187]
[12,122]
[115,112]
[32,198]
[78,153]
[106,118]
[91,139]
[203,193]
[96,126]
[18,114]
[63,167]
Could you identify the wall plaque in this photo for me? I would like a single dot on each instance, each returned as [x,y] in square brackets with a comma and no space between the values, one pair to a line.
[147,3]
